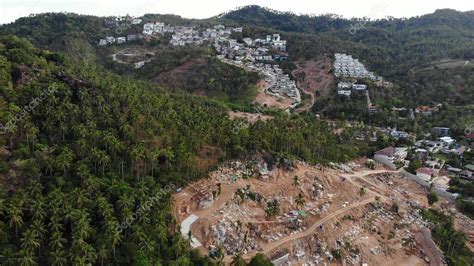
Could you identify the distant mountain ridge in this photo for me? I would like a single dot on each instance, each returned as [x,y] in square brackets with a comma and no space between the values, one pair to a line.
[288,21]
[390,47]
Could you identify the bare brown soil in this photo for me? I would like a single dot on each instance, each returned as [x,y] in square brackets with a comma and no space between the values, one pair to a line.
[250,117]
[335,215]
[313,76]
[132,54]
[266,100]
[180,70]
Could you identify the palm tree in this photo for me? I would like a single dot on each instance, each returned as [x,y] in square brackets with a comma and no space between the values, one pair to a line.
[15,215]
[80,130]
[296,181]
[39,228]
[90,254]
[91,184]
[102,254]
[55,223]
[65,159]
[27,258]
[114,238]
[300,200]
[35,188]
[138,153]
[58,257]
[220,254]
[126,203]
[30,240]
[238,260]
[33,131]
[57,241]
[155,154]
[81,199]
[39,213]
[104,160]
[7,257]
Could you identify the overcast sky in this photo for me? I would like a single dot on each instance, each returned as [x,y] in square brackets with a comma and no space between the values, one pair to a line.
[13,9]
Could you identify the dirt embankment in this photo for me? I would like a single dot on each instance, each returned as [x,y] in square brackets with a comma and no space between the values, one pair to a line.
[314,78]
[250,117]
[180,70]
[266,100]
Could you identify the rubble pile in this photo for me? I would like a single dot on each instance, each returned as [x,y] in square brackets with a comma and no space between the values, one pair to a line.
[234,212]
[345,168]
[233,237]
[232,171]
[203,198]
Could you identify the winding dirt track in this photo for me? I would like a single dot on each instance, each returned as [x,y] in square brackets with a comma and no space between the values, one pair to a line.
[228,192]
[311,229]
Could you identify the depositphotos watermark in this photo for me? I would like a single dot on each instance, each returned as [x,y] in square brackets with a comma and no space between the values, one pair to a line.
[469,129]
[145,207]
[26,110]
[124,25]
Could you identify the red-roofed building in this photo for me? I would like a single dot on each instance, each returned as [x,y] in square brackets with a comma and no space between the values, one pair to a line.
[390,155]
[425,110]
[470,136]
[425,173]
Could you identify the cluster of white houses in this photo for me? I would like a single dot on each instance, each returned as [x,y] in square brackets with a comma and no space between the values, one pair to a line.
[433,172]
[258,50]
[278,82]
[254,54]
[121,23]
[346,66]
[184,35]
[119,40]
[270,48]
[346,88]
[257,55]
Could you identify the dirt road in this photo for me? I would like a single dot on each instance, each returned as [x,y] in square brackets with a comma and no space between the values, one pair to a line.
[361,175]
[311,230]
[334,214]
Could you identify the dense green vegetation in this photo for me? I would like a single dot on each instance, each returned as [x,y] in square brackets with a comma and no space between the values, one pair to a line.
[213,78]
[450,241]
[404,51]
[96,147]
[77,36]
[87,144]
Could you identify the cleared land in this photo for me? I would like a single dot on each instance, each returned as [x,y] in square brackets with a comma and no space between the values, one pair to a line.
[271,101]
[313,78]
[366,216]
[250,117]
[445,64]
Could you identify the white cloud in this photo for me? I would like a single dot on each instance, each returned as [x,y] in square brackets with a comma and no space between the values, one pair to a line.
[13,9]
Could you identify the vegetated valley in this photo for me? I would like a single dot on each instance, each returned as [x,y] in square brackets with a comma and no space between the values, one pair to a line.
[249,138]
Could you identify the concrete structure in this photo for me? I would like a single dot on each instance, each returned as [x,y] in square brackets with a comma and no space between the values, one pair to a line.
[185,229]
[440,131]
[390,156]
[466,174]
[344,92]
[359,87]
[103,42]
[282,261]
[425,173]
[121,40]
[346,66]
[446,141]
